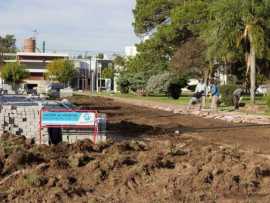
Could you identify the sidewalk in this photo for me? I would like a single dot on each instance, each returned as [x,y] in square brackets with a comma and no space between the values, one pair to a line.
[235,117]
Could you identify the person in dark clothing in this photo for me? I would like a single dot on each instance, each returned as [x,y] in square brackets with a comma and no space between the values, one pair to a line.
[236,97]
[196,99]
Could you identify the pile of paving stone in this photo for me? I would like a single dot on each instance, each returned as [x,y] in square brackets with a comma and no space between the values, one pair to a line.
[20,120]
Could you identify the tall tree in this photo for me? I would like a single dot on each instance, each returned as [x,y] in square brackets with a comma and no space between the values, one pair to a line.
[149,15]
[241,25]
[169,24]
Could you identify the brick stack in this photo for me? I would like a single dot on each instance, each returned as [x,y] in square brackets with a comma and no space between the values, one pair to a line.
[20,120]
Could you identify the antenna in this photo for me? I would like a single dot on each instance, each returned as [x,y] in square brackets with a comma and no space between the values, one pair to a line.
[35,33]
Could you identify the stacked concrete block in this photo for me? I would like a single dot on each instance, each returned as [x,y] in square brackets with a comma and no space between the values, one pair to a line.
[24,121]
[20,120]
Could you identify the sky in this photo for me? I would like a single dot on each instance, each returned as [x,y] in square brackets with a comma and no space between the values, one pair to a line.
[71,25]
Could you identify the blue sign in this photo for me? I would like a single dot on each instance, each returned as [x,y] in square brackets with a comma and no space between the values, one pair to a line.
[68,118]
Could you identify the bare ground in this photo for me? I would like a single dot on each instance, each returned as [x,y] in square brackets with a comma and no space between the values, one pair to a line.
[153,156]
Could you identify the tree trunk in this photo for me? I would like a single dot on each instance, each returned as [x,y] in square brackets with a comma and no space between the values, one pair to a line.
[252,74]
[226,67]
[206,75]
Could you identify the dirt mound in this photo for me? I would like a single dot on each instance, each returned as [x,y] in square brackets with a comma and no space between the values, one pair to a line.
[147,161]
[176,170]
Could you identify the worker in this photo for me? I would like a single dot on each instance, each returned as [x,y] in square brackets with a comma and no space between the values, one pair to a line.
[236,97]
[198,95]
[214,89]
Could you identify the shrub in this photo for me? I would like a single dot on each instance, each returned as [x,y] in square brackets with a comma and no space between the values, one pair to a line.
[158,84]
[175,87]
[174,90]
[124,85]
[165,84]
[137,82]
[267,99]
[226,92]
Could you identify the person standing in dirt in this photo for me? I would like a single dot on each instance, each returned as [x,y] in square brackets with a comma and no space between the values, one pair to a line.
[198,95]
[236,97]
[214,89]
[200,86]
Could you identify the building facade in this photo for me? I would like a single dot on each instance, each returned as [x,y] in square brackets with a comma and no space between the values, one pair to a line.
[88,75]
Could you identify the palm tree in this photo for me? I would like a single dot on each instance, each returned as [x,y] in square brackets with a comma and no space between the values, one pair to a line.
[240,26]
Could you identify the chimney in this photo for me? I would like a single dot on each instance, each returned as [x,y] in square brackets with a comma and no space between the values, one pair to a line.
[29,45]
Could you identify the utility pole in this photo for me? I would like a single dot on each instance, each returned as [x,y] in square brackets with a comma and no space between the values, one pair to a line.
[96,70]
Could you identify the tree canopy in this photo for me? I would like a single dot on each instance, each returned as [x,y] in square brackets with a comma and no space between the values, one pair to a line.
[7,45]
[61,70]
[14,73]
[239,28]
[190,36]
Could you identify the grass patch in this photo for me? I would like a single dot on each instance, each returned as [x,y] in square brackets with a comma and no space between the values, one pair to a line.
[183,100]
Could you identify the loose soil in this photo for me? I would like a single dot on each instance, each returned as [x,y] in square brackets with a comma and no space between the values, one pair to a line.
[151,156]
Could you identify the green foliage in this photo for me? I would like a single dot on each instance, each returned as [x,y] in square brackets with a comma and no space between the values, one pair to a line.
[137,82]
[61,70]
[124,84]
[134,82]
[14,73]
[158,84]
[8,44]
[188,37]
[107,73]
[260,79]
[165,84]
[227,94]
[267,99]
[100,56]
[149,14]
[119,60]
[174,89]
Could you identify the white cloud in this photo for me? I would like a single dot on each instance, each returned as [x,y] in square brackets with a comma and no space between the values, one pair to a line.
[71,24]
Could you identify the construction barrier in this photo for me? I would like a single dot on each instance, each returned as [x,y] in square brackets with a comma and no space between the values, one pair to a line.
[69,119]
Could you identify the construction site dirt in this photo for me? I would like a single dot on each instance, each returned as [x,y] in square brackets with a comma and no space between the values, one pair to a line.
[150,156]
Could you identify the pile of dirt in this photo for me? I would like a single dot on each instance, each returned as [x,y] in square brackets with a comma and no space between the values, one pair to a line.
[153,170]
[155,156]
